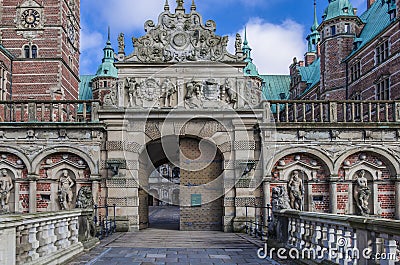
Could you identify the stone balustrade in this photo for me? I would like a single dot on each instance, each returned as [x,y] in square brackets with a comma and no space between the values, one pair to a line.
[44,238]
[321,111]
[340,239]
[49,111]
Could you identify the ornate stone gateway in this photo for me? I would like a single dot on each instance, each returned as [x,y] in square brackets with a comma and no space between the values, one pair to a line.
[180,95]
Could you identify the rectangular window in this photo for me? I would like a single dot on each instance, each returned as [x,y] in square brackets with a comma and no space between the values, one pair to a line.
[355,71]
[347,28]
[333,30]
[383,89]
[382,52]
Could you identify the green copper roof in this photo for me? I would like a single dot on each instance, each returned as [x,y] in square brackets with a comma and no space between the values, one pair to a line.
[376,19]
[251,68]
[85,87]
[310,74]
[338,8]
[276,87]
[314,37]
[107,67]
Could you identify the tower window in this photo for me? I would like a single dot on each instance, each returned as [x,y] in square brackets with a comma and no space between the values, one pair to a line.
[3,82]
[104,83]
[30,51]
[347,28]
[34,51]
[333,30]
[27,51]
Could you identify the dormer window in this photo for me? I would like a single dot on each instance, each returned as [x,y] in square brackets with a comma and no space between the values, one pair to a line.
[346,10]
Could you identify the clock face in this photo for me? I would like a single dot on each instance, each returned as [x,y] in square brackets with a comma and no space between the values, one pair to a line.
[30,18]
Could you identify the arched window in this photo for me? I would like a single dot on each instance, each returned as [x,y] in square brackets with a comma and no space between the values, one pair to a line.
[27,51]
[34,51]
[30,51]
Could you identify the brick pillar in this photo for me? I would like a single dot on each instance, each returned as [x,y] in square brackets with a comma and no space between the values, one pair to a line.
[333,179]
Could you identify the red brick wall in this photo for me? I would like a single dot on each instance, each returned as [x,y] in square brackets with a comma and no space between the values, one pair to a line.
[52,69]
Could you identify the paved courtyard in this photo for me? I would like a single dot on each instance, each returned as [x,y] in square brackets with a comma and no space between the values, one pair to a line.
[156,246]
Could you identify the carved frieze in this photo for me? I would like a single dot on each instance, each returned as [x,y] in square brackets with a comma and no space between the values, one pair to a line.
[180,37]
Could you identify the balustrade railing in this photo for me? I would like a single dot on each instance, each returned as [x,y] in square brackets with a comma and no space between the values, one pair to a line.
[49,111]
[257,217]
[320,111]
[43,238]
[105,225]
[339,239]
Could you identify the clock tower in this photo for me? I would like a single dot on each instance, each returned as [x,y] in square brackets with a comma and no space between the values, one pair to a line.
[43,39]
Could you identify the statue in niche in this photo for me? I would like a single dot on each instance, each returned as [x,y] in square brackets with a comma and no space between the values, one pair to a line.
[362,193]
[296,191]
[6,185]
[84,200]
[133,91]
[121,43]
[65,193]
[168,89]
[230,92]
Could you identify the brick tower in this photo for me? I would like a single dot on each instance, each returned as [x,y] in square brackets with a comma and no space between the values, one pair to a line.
[338,30]
[43,38]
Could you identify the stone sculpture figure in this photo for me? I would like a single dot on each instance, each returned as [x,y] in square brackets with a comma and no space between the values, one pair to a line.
[6,185]
[362,193]
[133,91]
[110,99]
[296,191]
[231,94]
[238,44]
[65,190]
[169,89]
[280,199]
[193,92]
[121,43]
[84,200]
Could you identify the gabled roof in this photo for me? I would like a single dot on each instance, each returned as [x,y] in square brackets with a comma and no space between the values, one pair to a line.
[275,85]
[376,19]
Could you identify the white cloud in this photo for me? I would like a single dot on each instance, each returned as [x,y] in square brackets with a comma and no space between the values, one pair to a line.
[132,14]
[274,45]
[92,44]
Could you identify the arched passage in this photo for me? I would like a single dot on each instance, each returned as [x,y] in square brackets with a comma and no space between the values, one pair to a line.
[199,189]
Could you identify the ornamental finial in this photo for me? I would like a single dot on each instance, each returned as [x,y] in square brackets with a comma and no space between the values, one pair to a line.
[166,6]
[193,7]
[179,5]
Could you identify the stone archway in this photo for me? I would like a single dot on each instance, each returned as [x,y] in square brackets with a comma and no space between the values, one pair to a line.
[199,193]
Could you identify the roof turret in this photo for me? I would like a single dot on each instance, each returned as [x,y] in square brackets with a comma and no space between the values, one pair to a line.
[338,8]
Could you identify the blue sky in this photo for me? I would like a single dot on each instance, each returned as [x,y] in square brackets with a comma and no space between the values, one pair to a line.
[276,28]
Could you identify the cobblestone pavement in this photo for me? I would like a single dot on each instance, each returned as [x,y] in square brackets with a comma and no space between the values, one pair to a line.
[156,246]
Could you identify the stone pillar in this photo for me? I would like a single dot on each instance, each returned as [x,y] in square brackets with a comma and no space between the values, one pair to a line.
[333,179]
[350,199]
[397,194]
[95,189]
[16,196]
[374,195]
[266,196]
[32,194]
